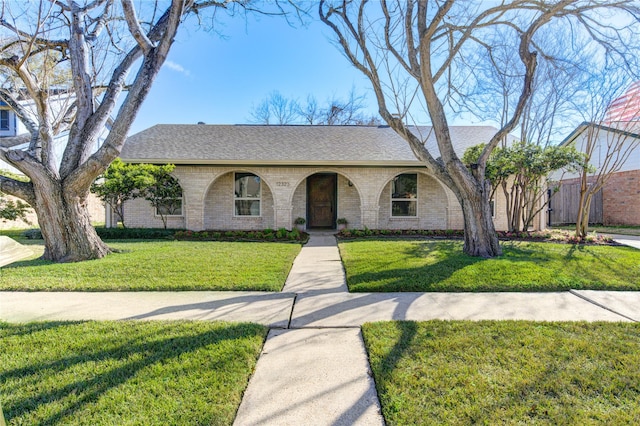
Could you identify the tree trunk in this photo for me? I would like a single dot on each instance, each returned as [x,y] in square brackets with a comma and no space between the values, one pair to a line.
[480,238]
[583,204]
[66,225]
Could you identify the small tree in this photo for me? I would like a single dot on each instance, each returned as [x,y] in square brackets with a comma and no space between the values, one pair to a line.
[522,170]
[121,182]
[607,140]
[10,209]
[13,210]
[165,193]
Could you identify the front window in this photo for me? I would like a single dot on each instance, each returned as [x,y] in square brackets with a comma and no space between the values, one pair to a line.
[4,120]
[247,194]
[404,195]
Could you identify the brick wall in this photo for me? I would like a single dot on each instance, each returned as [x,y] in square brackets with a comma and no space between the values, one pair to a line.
[621,199]
[209,199]
[431,207]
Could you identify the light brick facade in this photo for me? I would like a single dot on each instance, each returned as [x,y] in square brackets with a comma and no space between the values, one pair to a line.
[94,205]
[363,198]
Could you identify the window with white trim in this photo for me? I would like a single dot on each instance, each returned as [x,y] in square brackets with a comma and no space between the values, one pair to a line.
[404,195]
[5,124]
[247,194]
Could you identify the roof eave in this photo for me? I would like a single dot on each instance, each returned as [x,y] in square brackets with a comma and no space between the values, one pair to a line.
[282,163]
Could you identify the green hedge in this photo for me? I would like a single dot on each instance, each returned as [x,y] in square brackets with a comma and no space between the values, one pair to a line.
[281,234]
[135,233]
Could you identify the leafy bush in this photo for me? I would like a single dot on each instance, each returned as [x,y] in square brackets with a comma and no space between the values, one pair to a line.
[281,234]
[135,233]
[32,234]
[546,235]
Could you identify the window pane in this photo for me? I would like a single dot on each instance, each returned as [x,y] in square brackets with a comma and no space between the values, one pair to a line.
[403,208]
[247,185]
[405,186]
[247,207]
[4,119]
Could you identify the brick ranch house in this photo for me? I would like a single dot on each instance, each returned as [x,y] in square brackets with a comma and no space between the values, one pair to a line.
[250,177]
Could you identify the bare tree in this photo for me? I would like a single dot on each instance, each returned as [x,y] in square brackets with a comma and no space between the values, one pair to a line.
[275,109]
[421,55]
[607,140]
[310,111]
[107,48]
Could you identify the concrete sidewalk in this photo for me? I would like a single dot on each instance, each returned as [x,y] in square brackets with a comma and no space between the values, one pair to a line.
[313,369]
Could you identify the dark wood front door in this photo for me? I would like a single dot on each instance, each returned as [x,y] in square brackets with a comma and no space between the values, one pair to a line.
[321,200]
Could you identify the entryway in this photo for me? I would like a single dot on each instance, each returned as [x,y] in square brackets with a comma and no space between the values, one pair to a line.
[322,189]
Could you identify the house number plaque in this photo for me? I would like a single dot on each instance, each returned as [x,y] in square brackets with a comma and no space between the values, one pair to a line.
[282,183]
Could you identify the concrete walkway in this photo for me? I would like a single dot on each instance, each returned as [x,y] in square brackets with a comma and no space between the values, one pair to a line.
[313,369]
[11,251]
[628,240]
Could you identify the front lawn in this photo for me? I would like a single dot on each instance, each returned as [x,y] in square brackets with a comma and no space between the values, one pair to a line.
[506,372]
[440,265]
[162,265]
[111,373]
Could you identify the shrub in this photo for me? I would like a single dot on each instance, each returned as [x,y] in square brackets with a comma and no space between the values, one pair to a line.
[32,234]
[135,233]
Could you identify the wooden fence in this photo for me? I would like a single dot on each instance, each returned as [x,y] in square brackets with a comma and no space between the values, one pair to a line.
[564,205]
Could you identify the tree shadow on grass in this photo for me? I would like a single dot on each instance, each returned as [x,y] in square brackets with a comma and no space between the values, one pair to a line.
[7,330]
[447,259]
[142,354]
[385,367]
[522,267]
[592,267]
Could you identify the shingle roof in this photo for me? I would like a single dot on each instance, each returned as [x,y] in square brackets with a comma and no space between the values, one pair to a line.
[286,145]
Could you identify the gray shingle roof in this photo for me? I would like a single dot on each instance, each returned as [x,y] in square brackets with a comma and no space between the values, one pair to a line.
[286,145]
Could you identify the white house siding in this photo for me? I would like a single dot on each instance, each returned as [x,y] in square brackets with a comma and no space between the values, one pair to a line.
[599,154]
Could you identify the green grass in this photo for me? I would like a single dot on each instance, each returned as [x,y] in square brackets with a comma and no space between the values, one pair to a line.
[430,265]
[161,265]
[126,373]
[441,373]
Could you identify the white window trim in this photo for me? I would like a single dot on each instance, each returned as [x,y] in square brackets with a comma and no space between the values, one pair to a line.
[417,215]
[245,216]
[11,131]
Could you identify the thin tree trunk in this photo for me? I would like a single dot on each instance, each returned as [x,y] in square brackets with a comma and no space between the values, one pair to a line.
[581,227]
[66,226]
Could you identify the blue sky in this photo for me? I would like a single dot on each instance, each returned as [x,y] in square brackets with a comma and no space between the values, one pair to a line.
[217,80]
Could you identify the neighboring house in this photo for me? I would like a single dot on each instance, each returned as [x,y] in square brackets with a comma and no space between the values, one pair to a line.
[248,177]
[10,126]
[619,200]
